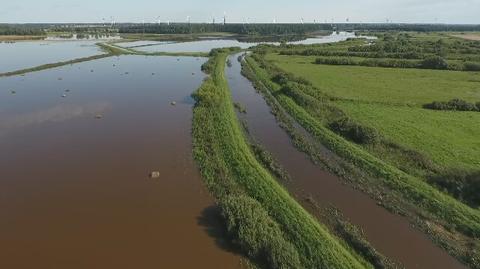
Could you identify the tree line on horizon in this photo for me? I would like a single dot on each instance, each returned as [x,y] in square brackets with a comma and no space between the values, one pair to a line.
[234,28]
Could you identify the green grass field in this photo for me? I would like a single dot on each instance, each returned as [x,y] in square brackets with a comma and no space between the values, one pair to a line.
[386,85]
[390,101]
[448,138]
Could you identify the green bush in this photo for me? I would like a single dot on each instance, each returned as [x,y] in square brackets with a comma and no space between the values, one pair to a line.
[472,66]
[434,62]
[283,78]
[353,131]
[454,104]
[257,234]
[337,61]
[461,185]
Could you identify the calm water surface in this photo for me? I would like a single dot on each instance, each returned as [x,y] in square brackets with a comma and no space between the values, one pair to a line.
[208,45]
[26,54]
[75,190]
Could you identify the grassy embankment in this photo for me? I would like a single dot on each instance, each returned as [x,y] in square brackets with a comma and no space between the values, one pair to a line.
[313,110]
[266,222]
[133,51]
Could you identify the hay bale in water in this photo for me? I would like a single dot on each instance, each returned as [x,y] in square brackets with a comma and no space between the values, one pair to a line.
[98,116]
[173,103]
[154,174]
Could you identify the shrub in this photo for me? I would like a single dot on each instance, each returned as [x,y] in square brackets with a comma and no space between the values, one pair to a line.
[337,61]
[353,131]
[460,184]
[394,63]
[434,62]
[257,234]
[281,79]
[472,66]
[454,104]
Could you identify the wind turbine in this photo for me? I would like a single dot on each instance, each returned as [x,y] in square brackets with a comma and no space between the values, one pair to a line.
[113,22]
[158,20]
[188,19]
[224,17]
[301,20]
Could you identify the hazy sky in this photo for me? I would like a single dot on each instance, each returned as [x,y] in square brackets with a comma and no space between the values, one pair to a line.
[441,11]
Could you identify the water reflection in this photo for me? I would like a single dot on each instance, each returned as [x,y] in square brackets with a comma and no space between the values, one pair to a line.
[56,114]
[208,45]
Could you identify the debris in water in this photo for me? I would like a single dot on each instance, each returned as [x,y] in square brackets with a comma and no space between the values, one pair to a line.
[60,78]
[153,74]
[98,116]
[64,95]
[126,73]
[67,90]
[173,103]
[13,92]
[178,59]
[91,71]
[193,74]
[155,174]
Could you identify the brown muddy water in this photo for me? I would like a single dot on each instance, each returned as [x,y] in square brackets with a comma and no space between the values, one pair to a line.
[390,234]
[75,190]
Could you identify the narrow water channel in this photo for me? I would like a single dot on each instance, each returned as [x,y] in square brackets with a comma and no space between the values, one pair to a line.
[390,234]
[77,145]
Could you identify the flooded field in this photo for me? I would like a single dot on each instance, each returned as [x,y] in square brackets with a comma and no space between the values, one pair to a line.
[141,43]
[25,54]
[77,146]
[207,45]
[390,234]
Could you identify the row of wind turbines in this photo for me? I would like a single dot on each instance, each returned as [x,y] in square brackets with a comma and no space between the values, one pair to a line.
[246,20]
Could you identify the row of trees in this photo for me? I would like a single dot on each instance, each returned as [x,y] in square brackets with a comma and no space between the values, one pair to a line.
[430,62]
[407,27]
[244,29]
[8,29]
[409,47]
